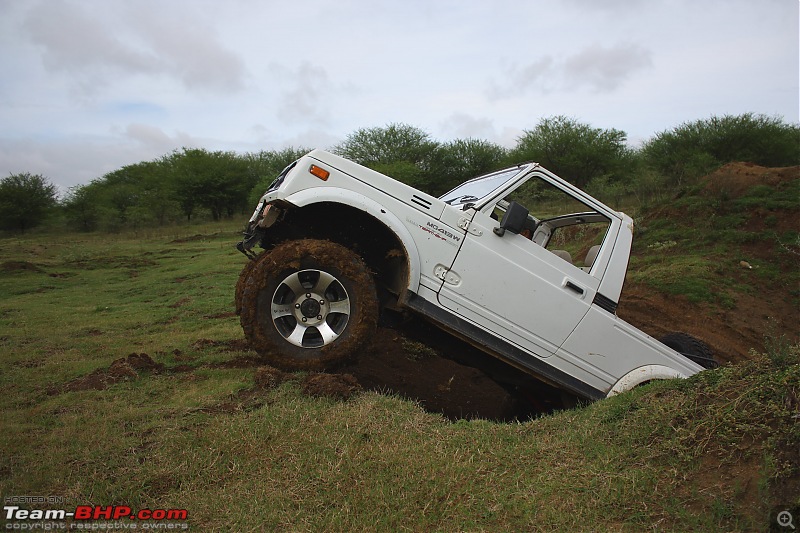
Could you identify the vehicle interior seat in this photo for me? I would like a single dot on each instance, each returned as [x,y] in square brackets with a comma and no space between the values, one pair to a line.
[591,255]
[563,254]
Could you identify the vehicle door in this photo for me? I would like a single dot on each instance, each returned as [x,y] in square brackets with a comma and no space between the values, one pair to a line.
[532,287]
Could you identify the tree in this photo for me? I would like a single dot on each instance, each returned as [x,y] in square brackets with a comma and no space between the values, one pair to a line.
[575,151]
[81,207]
[217,181]
[24,200]
[392,143]
[462,159]
[264,167]
[694,149]
[397,150]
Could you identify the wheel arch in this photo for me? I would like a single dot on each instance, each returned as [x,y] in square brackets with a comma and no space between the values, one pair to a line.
[370,229]
[641,375]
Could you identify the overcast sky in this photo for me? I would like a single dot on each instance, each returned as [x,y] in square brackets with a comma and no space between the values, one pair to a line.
[89,86]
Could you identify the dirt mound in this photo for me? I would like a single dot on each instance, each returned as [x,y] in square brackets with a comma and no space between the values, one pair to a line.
[268,377]
[730,333]
[445,375]
[735,179]
[123,369]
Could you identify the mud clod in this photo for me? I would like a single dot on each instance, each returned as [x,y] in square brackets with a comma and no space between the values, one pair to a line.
[142,361]
[267,377]
[123,369]
[337,386]
[234,345]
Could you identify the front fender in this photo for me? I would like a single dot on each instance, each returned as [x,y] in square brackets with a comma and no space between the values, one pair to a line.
[641,375]
[359,201]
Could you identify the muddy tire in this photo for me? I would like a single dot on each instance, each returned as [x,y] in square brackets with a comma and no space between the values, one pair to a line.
[691,347]
[242,281]
[309,305]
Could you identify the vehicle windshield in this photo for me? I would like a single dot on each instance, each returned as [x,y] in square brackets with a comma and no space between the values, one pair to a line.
[471,192]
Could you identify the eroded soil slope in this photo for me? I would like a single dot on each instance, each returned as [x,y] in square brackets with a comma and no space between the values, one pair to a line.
[743,220]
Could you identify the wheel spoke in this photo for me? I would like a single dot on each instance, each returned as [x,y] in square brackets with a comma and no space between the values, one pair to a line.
[297,335]
[294,284]
[328,335]
[281,310]
[342,307]
[322,283]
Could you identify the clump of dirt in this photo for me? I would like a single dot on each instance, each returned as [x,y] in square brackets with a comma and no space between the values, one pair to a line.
[337,386]
[234,345]
[123,369]
[244,400]
[142,361]
[239,362]
[268,377]
[19,266]
[196,237]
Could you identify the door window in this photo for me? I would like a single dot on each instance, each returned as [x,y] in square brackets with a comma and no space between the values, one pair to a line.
[557,221]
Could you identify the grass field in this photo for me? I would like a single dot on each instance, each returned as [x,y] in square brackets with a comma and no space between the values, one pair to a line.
[186,426]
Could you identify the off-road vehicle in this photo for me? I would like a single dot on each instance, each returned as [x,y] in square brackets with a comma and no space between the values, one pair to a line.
[519,262]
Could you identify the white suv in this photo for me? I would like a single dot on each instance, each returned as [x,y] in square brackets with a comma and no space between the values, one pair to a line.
[518,262]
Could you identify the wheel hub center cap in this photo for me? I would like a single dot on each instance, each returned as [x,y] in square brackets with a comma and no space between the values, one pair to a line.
[310,308]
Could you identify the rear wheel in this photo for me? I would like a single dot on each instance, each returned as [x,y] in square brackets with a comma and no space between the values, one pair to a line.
[309,305]
[692,348]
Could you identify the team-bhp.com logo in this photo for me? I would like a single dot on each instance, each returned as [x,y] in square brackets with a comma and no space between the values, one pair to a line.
[87,516]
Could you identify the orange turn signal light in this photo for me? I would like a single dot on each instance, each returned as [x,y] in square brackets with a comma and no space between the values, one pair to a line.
[321,173]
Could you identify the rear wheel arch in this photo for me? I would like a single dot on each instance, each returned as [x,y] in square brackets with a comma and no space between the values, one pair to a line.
[641,375]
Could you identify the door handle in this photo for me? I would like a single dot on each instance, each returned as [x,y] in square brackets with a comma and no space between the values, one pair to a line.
[571,286]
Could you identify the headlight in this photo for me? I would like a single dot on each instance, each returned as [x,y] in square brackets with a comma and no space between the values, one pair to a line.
[257,213]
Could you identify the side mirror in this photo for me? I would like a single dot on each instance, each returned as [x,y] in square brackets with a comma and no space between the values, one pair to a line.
[513,220]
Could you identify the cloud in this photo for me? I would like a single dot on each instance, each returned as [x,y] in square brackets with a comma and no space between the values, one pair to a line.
[537,76]
[604,69]
[598,68]
[94,51]
[191,51]
[85,158]
[304,99]
[155,140]
[462,125]
[624,6]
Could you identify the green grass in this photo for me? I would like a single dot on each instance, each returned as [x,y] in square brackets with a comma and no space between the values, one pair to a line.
[692,245]
[708,453]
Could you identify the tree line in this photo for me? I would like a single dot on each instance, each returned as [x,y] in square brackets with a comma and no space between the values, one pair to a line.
[194,183]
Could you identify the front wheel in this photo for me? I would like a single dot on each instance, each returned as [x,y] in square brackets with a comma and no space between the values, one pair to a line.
[309,305]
